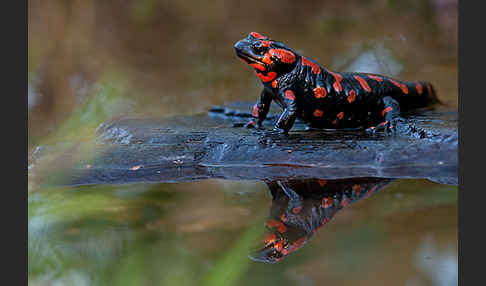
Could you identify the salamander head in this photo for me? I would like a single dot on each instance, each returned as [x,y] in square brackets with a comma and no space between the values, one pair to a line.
[269,58]
[277,245]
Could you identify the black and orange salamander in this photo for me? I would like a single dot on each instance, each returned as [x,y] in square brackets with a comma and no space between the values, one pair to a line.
[322,98]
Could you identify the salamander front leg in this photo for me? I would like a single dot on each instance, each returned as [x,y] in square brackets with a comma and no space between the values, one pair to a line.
[288,116]
[295,200]
[260,110]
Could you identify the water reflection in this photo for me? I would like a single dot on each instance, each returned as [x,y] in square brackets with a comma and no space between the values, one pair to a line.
[300,208]
[199,233]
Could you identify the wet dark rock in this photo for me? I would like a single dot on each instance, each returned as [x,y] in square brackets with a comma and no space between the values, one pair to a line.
[184,148]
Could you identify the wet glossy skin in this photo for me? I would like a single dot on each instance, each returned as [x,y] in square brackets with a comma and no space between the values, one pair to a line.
[323,98]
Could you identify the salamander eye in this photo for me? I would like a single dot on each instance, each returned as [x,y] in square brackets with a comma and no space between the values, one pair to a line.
[259,48]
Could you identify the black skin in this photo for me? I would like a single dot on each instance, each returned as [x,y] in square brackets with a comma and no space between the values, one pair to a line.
[371,102]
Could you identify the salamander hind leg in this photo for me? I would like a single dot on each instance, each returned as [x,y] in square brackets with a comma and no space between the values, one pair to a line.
[390,114]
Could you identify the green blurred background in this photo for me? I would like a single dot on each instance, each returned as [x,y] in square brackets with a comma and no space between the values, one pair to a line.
[165,57]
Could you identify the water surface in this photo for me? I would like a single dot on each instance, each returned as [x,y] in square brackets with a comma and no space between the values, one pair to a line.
[202,232]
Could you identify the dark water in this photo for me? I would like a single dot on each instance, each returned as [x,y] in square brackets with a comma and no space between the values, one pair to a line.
[401,232]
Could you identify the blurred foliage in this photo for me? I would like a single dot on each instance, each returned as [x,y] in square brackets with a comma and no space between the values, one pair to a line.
[235,263]
[106,100]
[106,234]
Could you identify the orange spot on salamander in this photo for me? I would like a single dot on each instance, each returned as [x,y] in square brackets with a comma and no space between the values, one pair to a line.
[363,83]
[337,84]
[322,182]
[320,92]
[275,223]
[388,109]
[340,115]
[274,84]
[400,85]
[278,245]
[315,67]
[327,202]
[377,78]
[258,66]
[324,221]
[357,189]
[266,78]
[255,111]
[352,96]
[267,58]
[284,55]
[266,43]
[269,239]
[372,190]
[289,94]
[296,210]
[295,246]
[257,35]
[345,202]
[419,88]
[318,113]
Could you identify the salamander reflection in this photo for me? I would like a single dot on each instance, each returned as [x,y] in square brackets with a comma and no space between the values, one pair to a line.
[301,207]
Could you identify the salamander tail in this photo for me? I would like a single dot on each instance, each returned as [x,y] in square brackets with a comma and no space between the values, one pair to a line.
[416,94]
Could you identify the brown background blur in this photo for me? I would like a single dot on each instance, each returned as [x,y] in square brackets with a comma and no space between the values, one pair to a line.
[174,57]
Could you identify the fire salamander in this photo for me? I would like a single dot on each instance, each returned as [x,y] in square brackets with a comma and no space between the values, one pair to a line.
[323,98]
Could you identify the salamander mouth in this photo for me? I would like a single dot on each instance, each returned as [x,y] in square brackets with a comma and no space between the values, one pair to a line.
[267,254]
[270,252]
[249,59]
